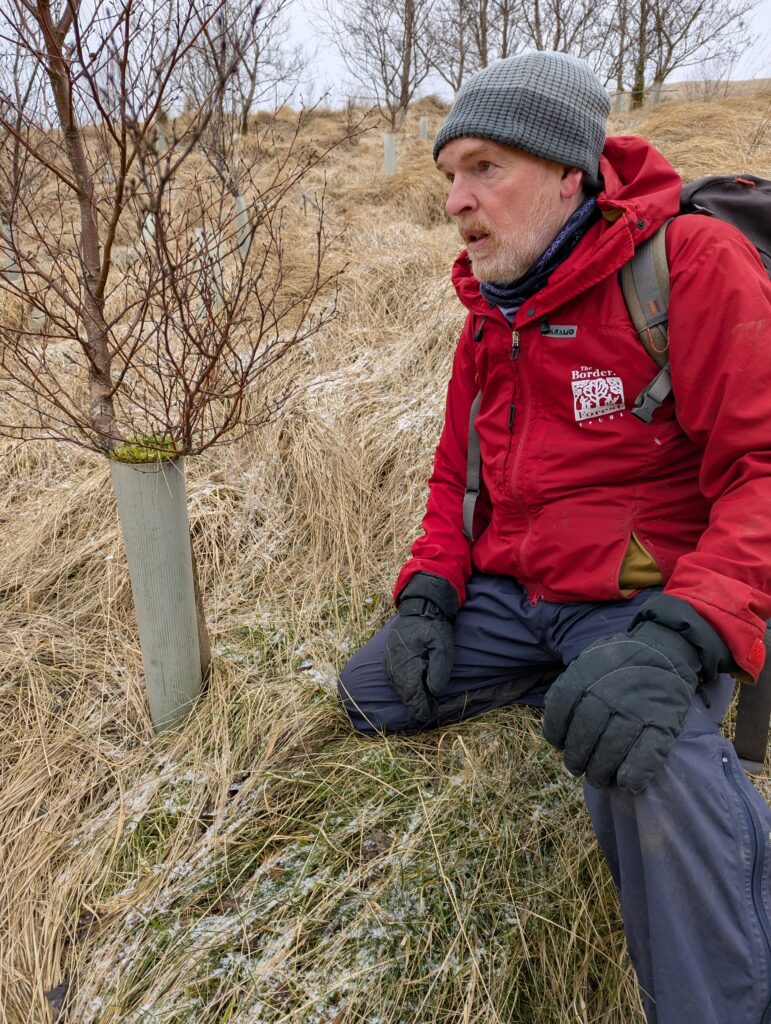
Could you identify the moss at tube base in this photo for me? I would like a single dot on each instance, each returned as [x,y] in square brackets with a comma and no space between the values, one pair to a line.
[153,448]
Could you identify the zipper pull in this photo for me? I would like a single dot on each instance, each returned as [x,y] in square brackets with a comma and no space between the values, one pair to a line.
[515,344]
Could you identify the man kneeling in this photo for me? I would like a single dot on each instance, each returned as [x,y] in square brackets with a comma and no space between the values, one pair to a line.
[610,569]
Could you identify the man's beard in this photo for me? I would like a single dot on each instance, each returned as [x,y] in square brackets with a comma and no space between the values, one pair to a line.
[507,257]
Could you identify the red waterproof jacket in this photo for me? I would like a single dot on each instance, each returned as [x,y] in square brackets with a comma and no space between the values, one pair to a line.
[568,473]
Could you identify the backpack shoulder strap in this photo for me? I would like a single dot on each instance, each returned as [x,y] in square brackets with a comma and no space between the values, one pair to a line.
[645,284]
[473,470]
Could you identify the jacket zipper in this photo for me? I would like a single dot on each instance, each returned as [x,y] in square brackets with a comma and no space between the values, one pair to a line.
[757,850]
[523,404]
[515,354]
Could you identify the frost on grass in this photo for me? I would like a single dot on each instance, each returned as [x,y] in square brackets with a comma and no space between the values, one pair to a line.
[379,900]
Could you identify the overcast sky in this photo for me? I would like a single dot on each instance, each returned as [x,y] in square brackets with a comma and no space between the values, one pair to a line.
[327,73]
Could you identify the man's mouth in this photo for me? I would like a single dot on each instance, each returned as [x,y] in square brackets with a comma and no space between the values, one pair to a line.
[475,240]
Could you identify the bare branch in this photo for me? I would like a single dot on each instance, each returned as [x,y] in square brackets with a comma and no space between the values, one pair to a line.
[156,292]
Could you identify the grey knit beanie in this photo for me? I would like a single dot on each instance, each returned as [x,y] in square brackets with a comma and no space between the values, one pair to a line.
[549,104]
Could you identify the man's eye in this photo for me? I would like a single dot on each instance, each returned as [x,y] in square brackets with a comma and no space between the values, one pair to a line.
[485,166]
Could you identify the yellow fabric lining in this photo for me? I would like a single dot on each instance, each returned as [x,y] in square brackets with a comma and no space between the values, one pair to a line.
[639,568]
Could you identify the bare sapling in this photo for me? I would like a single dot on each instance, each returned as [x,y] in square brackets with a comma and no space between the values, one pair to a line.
[267,70]
[388,48]
[159,299]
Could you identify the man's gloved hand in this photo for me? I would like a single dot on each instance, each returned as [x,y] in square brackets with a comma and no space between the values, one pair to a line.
[618,708]
[420,649]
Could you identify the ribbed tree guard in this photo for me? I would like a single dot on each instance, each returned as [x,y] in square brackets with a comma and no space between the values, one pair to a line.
[148,231]
[389,154]
[161,143]
[37,320]
[424,128]
[153,516]
[242,225]
[10,268]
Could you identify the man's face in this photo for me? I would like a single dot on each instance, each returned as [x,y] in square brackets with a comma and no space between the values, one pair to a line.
[508,204]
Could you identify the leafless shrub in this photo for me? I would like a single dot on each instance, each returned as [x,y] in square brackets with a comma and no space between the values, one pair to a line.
[155,273]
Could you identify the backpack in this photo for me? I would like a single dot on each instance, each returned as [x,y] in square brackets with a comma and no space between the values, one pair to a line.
[745,202]
[742,201]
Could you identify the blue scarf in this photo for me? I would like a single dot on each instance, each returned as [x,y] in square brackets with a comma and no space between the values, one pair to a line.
[509,297]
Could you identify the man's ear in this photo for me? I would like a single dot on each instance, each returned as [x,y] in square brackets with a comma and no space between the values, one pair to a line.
[570,184]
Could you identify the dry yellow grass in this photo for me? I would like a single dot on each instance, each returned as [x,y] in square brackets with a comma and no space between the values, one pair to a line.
[263,865]
[708,138]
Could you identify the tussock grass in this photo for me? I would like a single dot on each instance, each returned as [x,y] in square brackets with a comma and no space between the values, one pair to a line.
[263,865]
[709,138]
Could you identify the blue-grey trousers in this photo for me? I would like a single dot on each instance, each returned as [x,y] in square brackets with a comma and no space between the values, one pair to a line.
[690,855]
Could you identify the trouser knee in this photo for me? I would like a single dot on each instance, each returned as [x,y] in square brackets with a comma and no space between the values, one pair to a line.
[370,703]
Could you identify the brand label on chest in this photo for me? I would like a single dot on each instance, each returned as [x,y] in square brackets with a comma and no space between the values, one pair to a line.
[559,330]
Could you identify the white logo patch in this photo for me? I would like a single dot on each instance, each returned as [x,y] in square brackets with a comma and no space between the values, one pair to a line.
[596,393]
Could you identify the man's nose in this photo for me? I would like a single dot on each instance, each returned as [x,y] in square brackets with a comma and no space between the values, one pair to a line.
[461,199]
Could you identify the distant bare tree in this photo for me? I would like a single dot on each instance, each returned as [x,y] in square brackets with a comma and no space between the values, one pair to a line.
[663,36]
[480,26]
[386,46]
[22,101]
[468,34]
[618,47]
[267,67]
[712,79]
[452,35]
[507,26]
[687,32]
[579,27]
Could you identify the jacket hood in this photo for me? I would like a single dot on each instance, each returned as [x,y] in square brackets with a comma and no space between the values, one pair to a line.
[641,191]
[638,179]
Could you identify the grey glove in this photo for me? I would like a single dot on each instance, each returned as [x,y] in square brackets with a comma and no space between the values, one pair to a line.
[419,652]
[618,708]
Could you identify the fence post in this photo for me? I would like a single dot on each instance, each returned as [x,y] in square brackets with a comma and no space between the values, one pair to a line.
[389,154]
[424,128]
